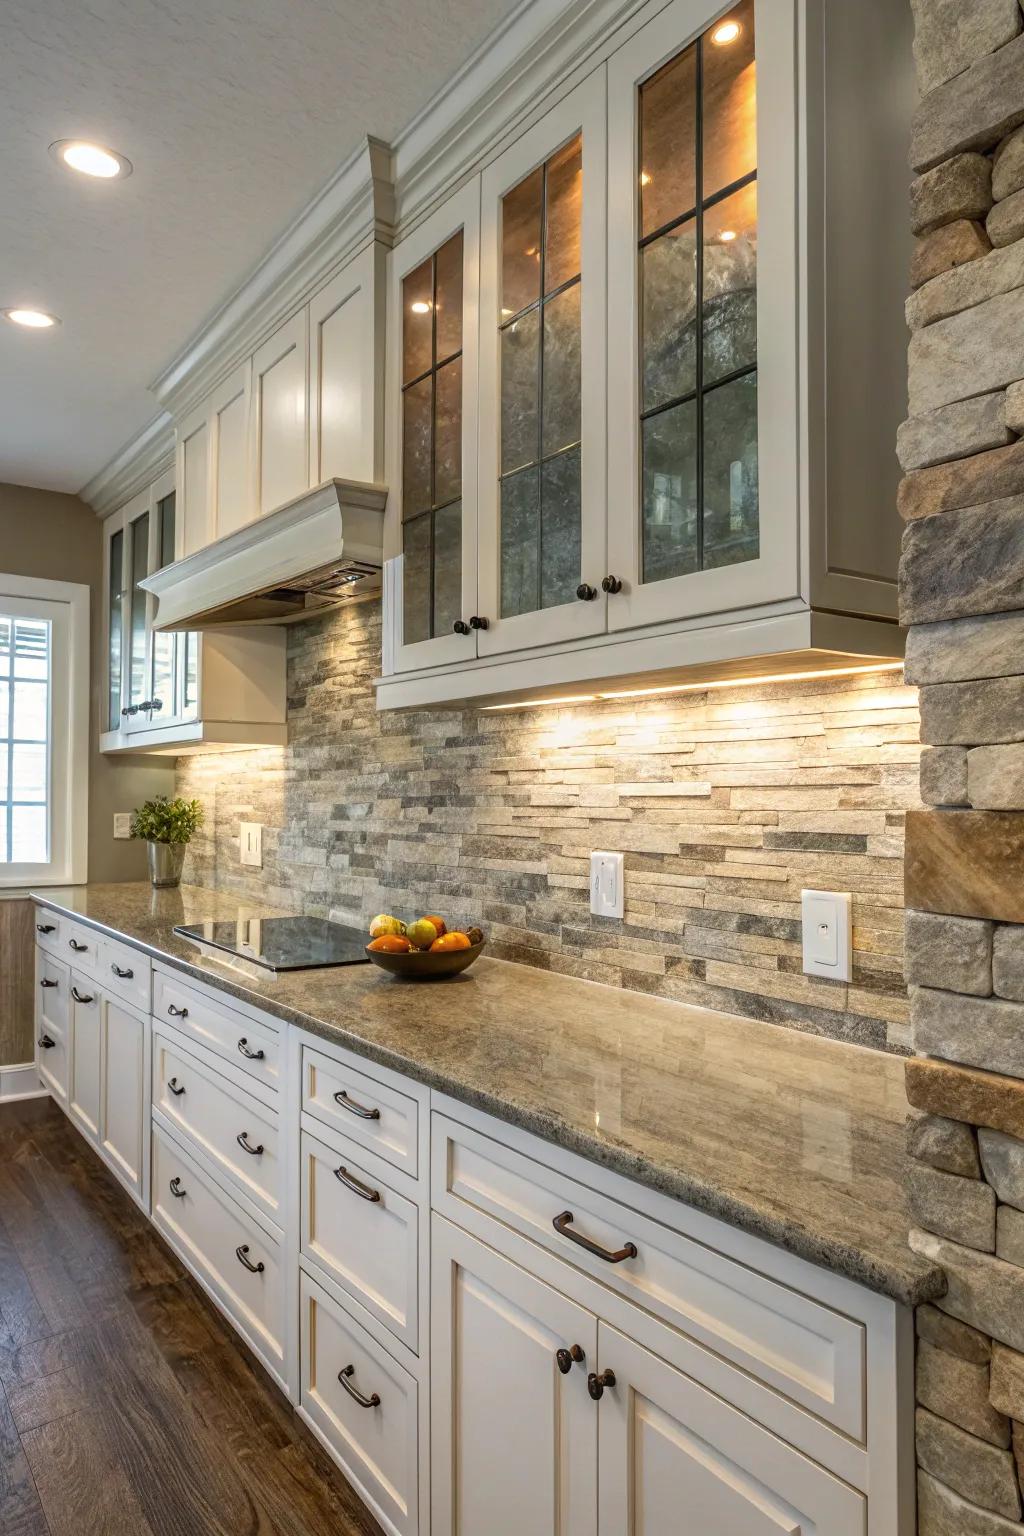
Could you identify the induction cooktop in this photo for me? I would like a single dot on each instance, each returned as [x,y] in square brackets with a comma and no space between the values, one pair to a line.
[282,943]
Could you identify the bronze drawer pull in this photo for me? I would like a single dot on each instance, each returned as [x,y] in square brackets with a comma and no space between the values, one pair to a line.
[79,998]
[566,1358]
[243,1046]
[357,1397]
[47,981]
[173,1086]
[45,927]
[122,975]
[596,1384]
[78,948]
[177,1013]
[246,1145]
[46,1043]
[356,1185]
[353,1108]
[241,1254]
[562,1226]
[176,1189]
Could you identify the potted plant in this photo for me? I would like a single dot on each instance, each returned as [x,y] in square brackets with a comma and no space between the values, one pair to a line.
[167,827]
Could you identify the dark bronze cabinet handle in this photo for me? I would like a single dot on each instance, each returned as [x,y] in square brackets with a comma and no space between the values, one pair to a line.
[356,1185]
[566,1358]
[243,1046]
[47,981]
[345,1377]
[123,975]
[353,1108]
[156,705]
[611,584]
[173,1086]
[247,1146]
[46,1043]
[242,1255]
[79,998]
[585,592]
[562,1225]
[460,627]
[476,622]
[78,948]
[177,1013]
[176,1189]
[45,927]
[596,1384]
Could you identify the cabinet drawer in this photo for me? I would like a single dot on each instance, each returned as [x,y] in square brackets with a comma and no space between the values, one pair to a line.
[363,1234]
[219,1241]
[234,1129]
[80,946]
[363,1109]
[53,983]
[125,973]
[254,1047]
[48,932]
[806,1351]
[375,1443]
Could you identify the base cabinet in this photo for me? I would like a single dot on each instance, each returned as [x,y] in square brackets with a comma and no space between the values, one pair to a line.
[53,996]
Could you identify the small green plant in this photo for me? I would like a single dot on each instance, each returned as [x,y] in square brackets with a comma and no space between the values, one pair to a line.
[167,821]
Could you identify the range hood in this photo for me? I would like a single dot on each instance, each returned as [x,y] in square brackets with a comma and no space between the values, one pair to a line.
[325,547]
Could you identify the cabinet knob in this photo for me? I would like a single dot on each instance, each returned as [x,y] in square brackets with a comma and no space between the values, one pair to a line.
[476,622]
[460,627]
[596,1384]
[46,1043]
[132,709]
[611,584]
[585,592]
[156,704]
[566,1358]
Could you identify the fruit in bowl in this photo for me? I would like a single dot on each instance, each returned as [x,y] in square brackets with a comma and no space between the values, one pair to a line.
[424,949]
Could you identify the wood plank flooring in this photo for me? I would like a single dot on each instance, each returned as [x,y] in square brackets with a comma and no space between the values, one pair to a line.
[128,1407]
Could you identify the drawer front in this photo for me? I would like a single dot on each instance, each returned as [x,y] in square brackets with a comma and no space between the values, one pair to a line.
[375,1443]
[80,946]
[84,1074]
[363,1234]
[53,982]
[217,1239]
[253,1047]
[125,973]
[238,1132]
[364,1110]
[806,1351]
[48,932]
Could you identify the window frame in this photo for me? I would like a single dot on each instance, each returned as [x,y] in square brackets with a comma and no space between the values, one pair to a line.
[66,605]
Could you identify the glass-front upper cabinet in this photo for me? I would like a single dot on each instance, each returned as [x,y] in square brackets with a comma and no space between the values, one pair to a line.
[702,318]
[542,380]
[432,340]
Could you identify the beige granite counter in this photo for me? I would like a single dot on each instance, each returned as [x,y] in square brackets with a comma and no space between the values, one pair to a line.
[795,1139]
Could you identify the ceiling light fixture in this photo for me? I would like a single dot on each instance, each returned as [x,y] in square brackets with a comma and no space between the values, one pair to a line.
[90,159]
[727,33]
[31,319]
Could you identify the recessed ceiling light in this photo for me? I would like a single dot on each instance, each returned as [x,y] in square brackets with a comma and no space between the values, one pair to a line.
[32,319]
[728,32]
[90,159]
[421,307]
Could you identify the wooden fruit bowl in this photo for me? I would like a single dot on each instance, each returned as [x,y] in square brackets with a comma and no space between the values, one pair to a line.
[425,964]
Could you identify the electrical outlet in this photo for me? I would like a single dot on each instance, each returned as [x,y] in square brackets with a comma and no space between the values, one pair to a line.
[250,838]
[607,897]
[828,933]
[122,823]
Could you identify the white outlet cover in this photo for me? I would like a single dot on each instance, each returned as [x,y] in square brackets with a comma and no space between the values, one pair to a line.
[607,894]
[827,920]
[122,824]
[250,843]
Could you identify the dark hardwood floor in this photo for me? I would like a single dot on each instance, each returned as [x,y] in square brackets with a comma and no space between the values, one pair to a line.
[128,1407]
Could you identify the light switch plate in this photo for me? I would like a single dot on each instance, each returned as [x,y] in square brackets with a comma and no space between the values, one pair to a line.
[122,824]
[250,839]
[827,918]
[607,897]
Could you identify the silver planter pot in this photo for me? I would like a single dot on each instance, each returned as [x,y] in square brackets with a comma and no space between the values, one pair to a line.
[165,861]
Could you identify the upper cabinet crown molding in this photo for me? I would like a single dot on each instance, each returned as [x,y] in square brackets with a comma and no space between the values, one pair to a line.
[133,469]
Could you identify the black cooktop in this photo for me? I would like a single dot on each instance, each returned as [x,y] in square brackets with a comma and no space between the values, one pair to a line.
[283,943]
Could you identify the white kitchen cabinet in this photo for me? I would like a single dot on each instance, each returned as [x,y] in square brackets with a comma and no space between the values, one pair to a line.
[514,1430]
[124,1098]
[280,416]
[213,465]
[53,1003]
[85,1079]
[346,372]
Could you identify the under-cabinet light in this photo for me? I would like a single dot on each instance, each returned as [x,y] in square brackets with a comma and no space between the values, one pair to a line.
[727,33]
[717,683]
[571,698]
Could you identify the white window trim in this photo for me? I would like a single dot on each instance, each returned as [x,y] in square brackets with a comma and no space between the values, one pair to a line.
[69,724]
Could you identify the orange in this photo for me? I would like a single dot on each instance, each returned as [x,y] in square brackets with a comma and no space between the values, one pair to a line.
[438,922]
[390,944]
[449,941]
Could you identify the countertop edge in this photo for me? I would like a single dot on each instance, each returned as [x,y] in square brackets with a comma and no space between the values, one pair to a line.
[912,1288]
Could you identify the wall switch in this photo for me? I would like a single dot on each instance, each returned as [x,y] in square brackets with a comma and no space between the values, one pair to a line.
[606,884]
[828,933]
[250,839]
[122,823]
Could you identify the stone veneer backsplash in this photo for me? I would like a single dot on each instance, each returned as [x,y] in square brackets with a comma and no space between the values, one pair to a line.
[726,803]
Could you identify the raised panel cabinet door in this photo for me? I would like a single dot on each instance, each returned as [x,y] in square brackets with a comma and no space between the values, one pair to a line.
[513,1438]
[542,380]
[192,479]
[345,372]
[281,415]
[704,493]
[229,430]
[666,1445]
[430,598]
[123,1099]
[84,1078]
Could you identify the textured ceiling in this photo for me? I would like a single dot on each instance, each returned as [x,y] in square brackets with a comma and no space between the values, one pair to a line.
[234,113]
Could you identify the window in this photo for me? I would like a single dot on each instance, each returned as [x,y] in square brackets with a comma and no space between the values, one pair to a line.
[44,738]
[432,443]
[698,304]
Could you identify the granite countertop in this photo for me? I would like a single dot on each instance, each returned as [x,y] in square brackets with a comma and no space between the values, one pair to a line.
[795,1139]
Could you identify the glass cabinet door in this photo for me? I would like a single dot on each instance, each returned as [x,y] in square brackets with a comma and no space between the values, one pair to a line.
[703,515]
[433,370]
[542,367]
[115,627]
[137,700]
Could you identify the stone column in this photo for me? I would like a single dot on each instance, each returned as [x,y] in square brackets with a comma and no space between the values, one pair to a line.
[962,596]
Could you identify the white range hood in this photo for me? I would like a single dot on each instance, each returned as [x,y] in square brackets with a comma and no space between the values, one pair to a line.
[325,547]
